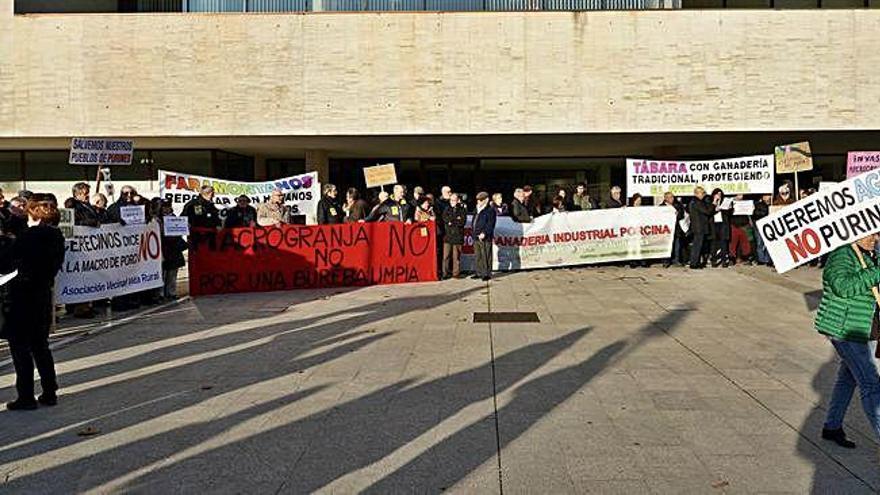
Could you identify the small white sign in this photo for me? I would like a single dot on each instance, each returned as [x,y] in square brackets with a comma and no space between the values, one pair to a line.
[65,224]
[726,204]
[133,215]
[175,226]
[746,208]
[88,151]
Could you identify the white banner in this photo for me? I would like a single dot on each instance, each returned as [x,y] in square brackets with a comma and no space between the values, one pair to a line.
[301,192]
[109,261]
[581,237]
[841,214]
[87,151]
[742,175]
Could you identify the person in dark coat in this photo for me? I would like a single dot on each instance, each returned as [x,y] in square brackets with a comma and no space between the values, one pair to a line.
[484,233]
[83,212]
[356,209]
[762,209]
[126,198]
[701,212]
[454,221]
[329,210]
[172,253]
[678,239]
[14,219]
[37,255]
[201,211]
[393,209]
[614,199]
[519,211]
[243,215]
[531,202]
[720,231]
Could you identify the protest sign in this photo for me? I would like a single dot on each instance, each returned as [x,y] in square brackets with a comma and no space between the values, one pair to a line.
[859,162]
[133,215]
[742,175]
[820,223]
[86,151]
[745,208]
[175,226]
[380,175]
[793,158]
[257,259]
[65,224]
[581,237]
[824,186]
[109,261]
[301,192]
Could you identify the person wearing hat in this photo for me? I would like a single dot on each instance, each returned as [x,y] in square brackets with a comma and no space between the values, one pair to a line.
[242,215]
[483,229]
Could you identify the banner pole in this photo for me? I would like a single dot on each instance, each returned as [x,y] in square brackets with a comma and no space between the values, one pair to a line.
[797,190]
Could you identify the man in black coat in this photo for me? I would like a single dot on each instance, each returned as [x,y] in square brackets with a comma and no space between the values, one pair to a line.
[701,213]
[201,211]
[483,233]
[329,211]
[519,211]
[83,212]
[394,209]
[614,199]
[243,215]
[454,220]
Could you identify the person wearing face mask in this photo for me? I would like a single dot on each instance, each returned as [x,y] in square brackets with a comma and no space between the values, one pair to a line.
[785,196]
[37,255]
[847,317]
[329,210]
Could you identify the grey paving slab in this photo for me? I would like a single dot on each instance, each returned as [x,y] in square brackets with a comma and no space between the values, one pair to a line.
[635,381]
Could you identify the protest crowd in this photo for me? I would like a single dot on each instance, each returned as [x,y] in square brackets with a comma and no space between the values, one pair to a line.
[710,229]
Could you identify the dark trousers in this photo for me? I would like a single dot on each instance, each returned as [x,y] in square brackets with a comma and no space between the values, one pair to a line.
[697,249]
[483,257]
[451,260]
[25,352]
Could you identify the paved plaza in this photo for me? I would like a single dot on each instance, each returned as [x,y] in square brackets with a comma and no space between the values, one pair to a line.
[634,381]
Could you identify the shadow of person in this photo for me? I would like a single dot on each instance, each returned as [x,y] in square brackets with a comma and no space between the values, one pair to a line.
[335,441]
[837,469]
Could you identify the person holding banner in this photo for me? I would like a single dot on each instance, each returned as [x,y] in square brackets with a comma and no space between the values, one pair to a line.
[172,254]
[720,229]
[273,213]
[355,207]
[329,211]
[201,211]
[37,255]
[483,230]
[679,236]
[847,316]
[243,215]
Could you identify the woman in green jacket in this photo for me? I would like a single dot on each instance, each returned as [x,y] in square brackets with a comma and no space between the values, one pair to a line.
[847,315]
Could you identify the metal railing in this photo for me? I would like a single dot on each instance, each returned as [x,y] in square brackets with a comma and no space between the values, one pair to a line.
[415,5]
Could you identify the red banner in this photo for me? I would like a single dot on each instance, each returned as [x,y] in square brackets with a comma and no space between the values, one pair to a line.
[261,259]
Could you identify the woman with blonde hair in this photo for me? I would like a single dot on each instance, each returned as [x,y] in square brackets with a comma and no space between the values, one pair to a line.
[37,255]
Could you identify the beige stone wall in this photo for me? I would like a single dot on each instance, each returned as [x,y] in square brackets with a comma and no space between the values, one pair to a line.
[472,73]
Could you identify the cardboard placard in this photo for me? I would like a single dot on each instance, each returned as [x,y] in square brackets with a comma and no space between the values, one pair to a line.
[859,162]
[746,208]
[792,158]
[380,175]
[66,223]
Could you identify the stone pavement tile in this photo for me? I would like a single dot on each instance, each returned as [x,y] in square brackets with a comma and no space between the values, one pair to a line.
[773,473]
[621,487]
[660,380]
[669,462]
[692,486]
[669,400]
[755,379]
[585,469]
[647,428]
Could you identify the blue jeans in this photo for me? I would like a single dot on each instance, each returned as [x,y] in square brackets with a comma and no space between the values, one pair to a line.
[762,254]
[857,368]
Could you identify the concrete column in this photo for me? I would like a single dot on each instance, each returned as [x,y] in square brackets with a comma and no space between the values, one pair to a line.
[260,171]
[318,161]
[6,9]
